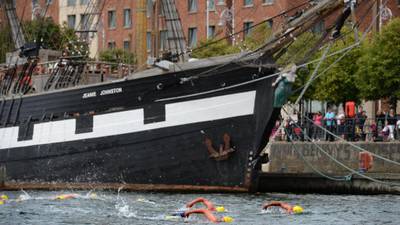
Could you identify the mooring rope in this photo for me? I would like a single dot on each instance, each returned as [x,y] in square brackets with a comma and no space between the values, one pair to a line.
[340,163]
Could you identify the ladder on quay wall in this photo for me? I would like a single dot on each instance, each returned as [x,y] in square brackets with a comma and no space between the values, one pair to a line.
[176,41]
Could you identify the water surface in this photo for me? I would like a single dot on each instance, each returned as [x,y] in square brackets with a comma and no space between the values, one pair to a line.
[35,207]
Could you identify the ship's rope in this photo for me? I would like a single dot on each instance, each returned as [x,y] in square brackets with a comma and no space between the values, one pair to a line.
[307,85]
[340,163]
[303,158]
[360,149]
[345,51]
[336,136]
[187,79]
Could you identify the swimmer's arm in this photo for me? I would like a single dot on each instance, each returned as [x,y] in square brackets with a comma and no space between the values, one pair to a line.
[273,203]
[205,212]
[197,200]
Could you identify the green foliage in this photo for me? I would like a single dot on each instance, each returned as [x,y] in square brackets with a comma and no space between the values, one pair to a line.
[379,67]
[6,43]
[337,85]
[258,36]
[54,37]
[118,56]
[296,53]
[298,50]
[211,48]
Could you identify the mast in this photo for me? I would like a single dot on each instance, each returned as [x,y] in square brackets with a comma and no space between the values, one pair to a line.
[140,33]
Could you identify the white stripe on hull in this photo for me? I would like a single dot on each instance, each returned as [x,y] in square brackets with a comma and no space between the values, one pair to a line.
[202,110]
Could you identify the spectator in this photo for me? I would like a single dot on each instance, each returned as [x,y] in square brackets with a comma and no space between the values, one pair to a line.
[317,133]
[373,131]
[391,120]
[361,117]
[398,128]
[380,120]
[340,121]
[330,124]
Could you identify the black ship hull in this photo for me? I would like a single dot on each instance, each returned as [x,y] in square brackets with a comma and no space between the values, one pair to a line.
[144,133]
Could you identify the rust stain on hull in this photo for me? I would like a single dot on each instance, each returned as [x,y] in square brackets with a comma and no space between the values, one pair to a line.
[115,186]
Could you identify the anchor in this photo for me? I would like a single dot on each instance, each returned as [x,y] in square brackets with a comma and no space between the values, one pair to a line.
[224,151]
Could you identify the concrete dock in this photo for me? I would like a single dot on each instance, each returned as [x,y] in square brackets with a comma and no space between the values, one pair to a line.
[287,170]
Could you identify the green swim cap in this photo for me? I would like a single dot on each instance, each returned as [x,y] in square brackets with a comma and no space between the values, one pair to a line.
[297,209]
[4,197]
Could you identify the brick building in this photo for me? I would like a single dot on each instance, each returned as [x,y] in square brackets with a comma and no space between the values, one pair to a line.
[117,25]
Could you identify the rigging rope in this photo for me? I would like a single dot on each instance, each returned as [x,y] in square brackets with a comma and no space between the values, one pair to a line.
[314,73]
[340,163]
[344,178]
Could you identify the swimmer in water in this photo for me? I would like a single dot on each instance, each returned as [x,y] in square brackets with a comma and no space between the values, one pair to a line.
[210,206]
[3,199]
[66,196]
[288,208]
[207,213]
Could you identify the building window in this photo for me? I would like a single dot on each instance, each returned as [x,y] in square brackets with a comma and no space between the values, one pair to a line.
[111,19]
[211,32]
[111,45]
[270,23]
[71,20]
[127,45]
[71,2]
[84,2]
[221,2]
[248,2]
[192,37]
[268,2]
[247,27]
[192,5]
[163,39]
[211,5]
[84,22]
[148,41]
[149,10]
[127,18]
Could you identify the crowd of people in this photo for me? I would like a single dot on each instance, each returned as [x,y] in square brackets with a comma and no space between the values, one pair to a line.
[333,126]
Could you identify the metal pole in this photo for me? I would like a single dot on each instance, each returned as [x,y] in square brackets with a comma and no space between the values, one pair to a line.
[233,22]
[207,19]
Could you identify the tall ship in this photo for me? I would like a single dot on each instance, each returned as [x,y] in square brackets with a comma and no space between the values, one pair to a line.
[197,125]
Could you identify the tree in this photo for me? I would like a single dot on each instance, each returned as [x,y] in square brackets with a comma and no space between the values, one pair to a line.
[338,84]
[257,37]
[6,42]
[212,48]
[52,35]
[378,75]
[118,56]
[296,53]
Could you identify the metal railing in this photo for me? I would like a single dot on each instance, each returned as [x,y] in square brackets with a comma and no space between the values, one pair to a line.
[349,129]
